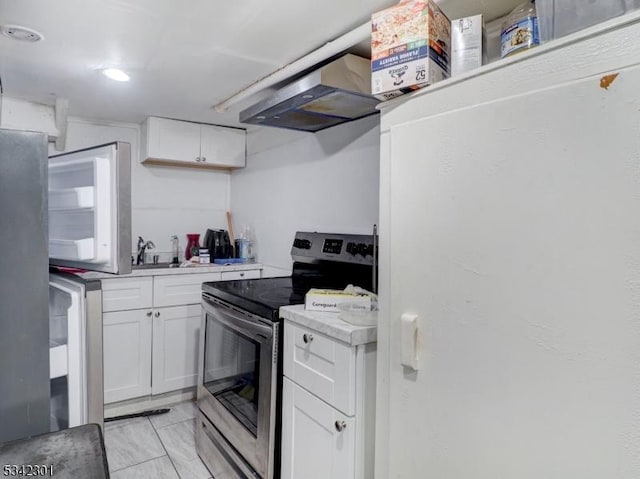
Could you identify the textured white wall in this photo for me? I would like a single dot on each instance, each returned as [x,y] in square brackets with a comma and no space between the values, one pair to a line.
[326,181]
[165,200]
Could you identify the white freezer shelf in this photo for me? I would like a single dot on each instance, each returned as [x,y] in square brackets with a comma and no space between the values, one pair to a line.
[58,363]
[80,250]
[72,198]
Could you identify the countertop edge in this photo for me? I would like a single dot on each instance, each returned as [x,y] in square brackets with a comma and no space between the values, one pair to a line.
[330,325]
[139,273]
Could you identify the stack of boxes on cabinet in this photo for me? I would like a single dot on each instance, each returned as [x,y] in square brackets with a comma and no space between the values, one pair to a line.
[414,44]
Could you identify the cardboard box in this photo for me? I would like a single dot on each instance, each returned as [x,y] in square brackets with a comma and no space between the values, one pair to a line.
[467,44]
[410,48]
[328,299]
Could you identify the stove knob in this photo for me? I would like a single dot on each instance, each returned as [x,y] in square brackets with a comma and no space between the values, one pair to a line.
[352,248]
[362,249]
[370,250]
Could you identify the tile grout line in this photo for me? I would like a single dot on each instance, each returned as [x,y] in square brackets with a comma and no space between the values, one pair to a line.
[140,463]
[146,460]
[194,418]
[165,450]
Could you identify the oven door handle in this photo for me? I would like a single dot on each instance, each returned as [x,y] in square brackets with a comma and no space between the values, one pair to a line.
[236,322]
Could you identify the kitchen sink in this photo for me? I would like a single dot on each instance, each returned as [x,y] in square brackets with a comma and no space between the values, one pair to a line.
[153,266]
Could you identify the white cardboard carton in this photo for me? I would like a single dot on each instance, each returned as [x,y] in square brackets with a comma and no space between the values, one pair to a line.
[328,300]
[467,43]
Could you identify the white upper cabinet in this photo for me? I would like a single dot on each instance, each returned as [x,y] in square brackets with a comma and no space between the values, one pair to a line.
[182,143]
[223,146]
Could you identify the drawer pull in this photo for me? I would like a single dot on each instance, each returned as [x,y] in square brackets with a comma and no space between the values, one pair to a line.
[341,426]
[149,313]
[307,338]
[242,275]
[157,314]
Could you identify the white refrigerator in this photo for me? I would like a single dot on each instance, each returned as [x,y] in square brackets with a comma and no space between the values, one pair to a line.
[509,335]
[70,210]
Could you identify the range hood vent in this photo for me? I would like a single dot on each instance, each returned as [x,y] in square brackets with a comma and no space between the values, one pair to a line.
[335,93]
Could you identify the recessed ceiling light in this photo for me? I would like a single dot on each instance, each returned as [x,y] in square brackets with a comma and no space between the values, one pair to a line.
[115,74]
[23,34]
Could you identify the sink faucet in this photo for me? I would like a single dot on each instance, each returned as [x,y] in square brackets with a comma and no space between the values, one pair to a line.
[142,247]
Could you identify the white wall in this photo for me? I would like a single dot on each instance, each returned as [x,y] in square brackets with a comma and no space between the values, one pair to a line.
[326,181]
[165,200]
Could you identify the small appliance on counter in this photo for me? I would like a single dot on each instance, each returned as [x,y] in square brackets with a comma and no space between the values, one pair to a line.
[218,244]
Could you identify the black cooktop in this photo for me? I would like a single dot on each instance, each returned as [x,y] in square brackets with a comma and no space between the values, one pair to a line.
[262,297]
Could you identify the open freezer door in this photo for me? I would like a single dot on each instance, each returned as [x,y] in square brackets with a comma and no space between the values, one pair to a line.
[90,208]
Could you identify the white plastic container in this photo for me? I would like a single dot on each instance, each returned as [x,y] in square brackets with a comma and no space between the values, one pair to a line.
[557,18]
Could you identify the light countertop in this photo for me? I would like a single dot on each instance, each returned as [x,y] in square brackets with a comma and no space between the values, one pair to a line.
[210,268]
[330,325]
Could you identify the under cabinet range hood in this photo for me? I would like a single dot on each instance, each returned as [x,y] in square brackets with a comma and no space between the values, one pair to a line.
[335,93]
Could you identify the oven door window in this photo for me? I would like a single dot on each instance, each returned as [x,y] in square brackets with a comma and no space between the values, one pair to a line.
[232,372]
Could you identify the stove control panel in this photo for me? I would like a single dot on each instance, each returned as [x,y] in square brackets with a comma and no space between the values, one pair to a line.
[313,247]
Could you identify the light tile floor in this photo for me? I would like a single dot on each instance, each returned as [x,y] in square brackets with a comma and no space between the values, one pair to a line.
[161,447]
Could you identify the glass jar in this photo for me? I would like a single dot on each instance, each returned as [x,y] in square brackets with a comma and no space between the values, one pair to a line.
[193,245]
[520,30]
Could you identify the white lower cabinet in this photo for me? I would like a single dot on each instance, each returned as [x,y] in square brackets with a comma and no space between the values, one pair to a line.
[176,332]
[328,406]
[127,354]
[153,349]
[318,440]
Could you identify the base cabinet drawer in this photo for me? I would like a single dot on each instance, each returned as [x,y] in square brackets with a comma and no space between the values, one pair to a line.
[321,365]
[318,441]
[127,293]
[180,289]
[247,274]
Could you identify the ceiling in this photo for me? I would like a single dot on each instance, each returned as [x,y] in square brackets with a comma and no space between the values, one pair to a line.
[183,57]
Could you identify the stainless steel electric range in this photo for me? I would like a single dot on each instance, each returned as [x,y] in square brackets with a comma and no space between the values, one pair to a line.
[240,368]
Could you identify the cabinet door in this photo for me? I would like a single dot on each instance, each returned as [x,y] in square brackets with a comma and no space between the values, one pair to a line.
[127,354]
[225,147]
[312,445]
[175,347]
[172,140]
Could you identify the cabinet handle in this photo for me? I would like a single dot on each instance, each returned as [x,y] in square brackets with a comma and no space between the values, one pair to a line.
[341,426]
[198,159]
[307,338]
[157,314]
[242,275]
[204,158]
[149,313]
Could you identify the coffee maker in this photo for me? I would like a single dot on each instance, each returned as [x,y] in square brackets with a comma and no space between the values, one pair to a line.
[218,244]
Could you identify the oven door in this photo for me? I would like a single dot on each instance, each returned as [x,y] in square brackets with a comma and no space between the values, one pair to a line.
[237,380]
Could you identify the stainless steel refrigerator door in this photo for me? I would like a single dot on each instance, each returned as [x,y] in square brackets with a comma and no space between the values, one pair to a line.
[90,208]
[24,289]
